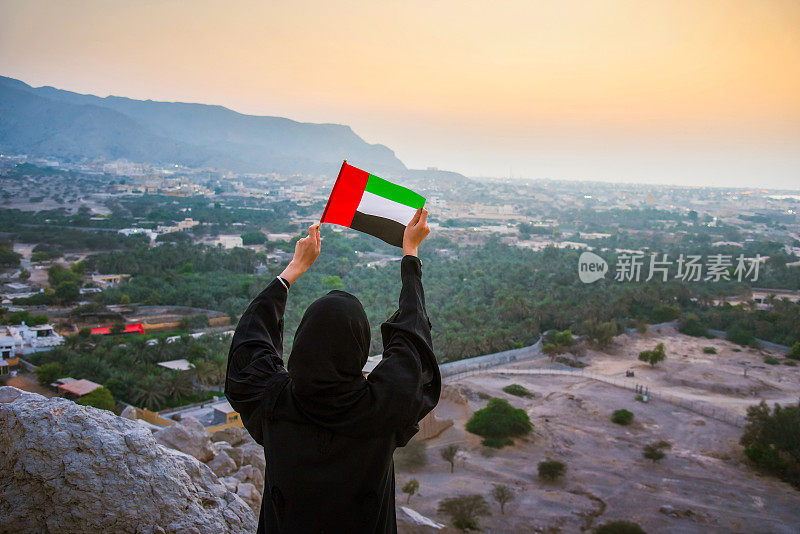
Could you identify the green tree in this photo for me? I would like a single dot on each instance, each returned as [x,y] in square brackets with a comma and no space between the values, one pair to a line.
[771,440]
[253,238]
[67,292]
[99,398]
[332,282]
[24,275]
[655,451]
[465,511]
[653,356]
[411,487]
[449,455]
[499,422]
[691,326]
[551,470]
[622,417]
[49,372]
[794,354]
[412,456]
[502,495]
[149,392]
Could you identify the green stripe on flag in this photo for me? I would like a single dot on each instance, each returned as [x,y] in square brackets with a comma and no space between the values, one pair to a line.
[380,187]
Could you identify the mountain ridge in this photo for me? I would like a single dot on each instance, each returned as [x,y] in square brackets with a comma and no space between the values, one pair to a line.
[47,121]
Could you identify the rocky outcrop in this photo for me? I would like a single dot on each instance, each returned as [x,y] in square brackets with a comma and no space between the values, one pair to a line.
[187,436]
[69,468]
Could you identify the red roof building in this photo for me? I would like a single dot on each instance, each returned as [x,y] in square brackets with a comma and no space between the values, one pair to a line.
[135,328]
[79,388]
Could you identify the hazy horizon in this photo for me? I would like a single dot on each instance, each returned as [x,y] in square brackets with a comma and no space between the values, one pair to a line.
[674,92]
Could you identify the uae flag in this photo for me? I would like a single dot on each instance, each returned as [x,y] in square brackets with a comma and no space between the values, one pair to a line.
[369,204]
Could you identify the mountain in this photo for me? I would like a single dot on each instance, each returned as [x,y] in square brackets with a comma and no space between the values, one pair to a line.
[44,121]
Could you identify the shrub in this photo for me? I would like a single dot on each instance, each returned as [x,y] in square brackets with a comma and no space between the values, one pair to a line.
[99,398]
[740,335]
[653,356]
[253,238]
[772,440]
[771,360]
[551,470]
[619,527]
[499,420]
[411,487]
[665,313]
[49,372]
[601,334]
[794,354]
[691,326]
[564,339]
[519,391]
[449,453]
[502,495]
[622,417]
[655,451]
[465,511]
[790,363]
[709,350]
[414,455]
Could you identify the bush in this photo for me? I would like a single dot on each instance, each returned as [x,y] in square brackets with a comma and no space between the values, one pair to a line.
[771,360]
[413,456]
[622,417]
[499,420]
[411,487]
[740,335]
[465,511]
[564,339]
[99,398]
[26,317]
[619,527]
[794,354]
[655,451]
[551,470]
[519,391]
[253,238]
[665,313]
[49,372]
[653,356]
[771,440]
[691,326]
[709,350]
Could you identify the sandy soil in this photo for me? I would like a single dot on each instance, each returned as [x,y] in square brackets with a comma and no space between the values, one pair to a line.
[703,485]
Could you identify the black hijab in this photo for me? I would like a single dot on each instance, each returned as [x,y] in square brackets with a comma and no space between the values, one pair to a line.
[331,346]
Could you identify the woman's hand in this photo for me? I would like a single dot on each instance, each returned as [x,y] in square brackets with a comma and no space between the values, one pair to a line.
[306,252]
[416,232]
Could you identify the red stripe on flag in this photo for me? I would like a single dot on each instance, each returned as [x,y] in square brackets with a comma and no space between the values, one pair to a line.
[346,195]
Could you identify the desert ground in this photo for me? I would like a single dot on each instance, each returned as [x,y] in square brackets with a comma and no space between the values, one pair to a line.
[703,485]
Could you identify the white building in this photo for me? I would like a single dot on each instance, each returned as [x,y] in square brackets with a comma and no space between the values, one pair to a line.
[27,339]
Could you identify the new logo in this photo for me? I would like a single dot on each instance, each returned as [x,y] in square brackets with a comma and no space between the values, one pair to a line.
[591,267]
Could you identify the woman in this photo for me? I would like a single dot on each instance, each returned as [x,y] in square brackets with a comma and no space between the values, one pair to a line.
[328,433]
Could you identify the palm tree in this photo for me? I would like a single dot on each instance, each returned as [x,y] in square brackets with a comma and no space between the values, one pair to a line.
[149,392]
[178,384]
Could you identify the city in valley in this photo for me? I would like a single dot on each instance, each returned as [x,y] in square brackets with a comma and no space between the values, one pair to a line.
[122,282]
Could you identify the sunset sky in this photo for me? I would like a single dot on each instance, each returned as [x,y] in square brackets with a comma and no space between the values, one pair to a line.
[688,92]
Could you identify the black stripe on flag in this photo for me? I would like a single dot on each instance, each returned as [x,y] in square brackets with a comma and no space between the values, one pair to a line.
[382,228]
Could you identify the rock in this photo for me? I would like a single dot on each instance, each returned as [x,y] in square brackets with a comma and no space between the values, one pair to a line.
[232,434]
[129,413]
[70,468]
[221,446]
[237,455]
[248,473]
[187,436]
[231,483]
[222,464]
[250,495]
[253,454]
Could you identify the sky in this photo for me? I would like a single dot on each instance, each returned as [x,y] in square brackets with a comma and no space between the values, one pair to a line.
[696,92]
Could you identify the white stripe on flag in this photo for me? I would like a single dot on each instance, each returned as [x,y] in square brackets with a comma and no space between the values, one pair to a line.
[373,204]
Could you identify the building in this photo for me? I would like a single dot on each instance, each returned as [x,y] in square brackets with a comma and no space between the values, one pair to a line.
[177,365]
[76,388]
[105,281]
[28,339]
[135,328]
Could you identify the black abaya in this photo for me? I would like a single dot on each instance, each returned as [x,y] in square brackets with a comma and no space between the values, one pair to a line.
[328,433]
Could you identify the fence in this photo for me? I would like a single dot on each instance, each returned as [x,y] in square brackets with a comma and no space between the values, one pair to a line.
[491,360]
[698,407]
